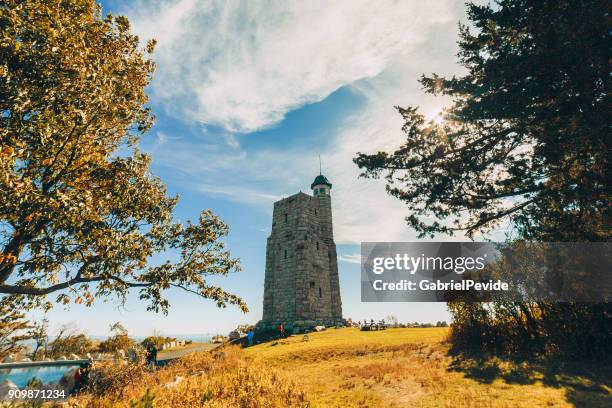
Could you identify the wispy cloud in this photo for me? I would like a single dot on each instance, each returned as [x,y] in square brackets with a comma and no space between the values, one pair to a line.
[350,258]
[162,138]
[243,66]
[244,194]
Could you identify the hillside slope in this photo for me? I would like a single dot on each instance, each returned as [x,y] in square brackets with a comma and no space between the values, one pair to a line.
[350,368]
[411,367]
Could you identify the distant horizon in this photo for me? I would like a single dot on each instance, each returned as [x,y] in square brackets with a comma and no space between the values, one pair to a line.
[205,334]
[210,334]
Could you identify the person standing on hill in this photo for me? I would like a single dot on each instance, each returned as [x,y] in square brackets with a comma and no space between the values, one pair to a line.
[154,355]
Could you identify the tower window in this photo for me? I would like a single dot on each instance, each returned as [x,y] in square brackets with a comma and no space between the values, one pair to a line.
[317,245]
[285,254]
[320,293]
[305,237]
[315,211]
[311,284]
[286,218]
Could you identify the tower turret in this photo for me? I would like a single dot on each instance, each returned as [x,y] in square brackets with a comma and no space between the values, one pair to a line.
[321,185]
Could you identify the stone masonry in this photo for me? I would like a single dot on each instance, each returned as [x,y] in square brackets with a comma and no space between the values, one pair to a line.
[301,287]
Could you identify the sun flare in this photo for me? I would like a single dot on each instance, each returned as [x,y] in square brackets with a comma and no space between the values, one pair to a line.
[435,116]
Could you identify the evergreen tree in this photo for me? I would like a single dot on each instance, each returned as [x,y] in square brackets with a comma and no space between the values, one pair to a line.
[527,137]
[526,140]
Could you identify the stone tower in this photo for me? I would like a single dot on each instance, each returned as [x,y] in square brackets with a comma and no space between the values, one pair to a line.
[301,287]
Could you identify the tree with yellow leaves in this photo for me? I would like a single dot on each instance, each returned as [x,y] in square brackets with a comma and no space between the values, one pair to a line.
[77,219]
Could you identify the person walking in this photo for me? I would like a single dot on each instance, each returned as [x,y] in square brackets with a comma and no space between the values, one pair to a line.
[250,337]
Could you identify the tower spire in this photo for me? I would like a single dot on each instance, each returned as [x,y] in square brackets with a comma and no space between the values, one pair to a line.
[320,172]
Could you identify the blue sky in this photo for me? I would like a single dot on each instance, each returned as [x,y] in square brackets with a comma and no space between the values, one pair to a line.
[247,96]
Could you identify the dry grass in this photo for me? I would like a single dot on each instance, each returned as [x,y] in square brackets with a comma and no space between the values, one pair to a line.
[411,367]
[221,379]
[349,368]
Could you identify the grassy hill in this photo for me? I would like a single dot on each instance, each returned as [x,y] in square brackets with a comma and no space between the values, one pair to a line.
[350,368]
[411,367]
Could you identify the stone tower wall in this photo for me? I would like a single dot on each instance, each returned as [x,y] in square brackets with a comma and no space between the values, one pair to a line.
[327,235]
[301,283]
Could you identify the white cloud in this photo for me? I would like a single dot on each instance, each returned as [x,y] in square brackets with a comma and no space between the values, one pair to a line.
[243,66]
[162,138]
[245,195]
[350,258]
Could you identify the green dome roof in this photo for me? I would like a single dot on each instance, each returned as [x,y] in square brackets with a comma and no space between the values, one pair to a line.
[320,179]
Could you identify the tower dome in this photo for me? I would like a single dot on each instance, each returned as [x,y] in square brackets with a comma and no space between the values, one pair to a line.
[321,185]
[320,179]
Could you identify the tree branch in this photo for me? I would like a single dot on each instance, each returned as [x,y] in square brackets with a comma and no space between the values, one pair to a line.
[28,290]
